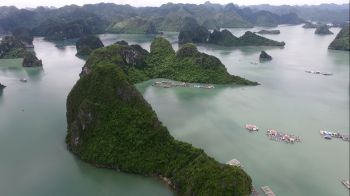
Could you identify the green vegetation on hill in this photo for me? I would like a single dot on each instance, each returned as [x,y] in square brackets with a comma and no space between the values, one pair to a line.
[55,24]
[30,60]
[111,125]
[135,25]
[24,35]
[309,25]
[323,30]
[11,47]
[69,23]
[342,40]
[186,65]
[87,44]
[252,39]
[192,32]
[273,32]
[226,38]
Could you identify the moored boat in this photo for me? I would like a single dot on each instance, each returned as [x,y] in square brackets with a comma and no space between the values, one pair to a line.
[251,127]
[23,80]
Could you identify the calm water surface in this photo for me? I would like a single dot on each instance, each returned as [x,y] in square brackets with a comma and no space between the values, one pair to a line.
[34,159]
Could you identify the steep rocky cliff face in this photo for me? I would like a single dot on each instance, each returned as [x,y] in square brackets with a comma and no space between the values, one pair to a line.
[342,40]
[323,30]
[264,56]
[192,32]
[162,62]
[30,60]
[2,86]
[87,44]
[24,35]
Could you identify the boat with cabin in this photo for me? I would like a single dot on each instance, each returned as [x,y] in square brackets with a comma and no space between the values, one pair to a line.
[252,127]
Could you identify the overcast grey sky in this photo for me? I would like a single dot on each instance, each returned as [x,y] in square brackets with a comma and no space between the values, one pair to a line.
[59,3]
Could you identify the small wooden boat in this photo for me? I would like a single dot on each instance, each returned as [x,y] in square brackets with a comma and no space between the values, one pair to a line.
[251,127]
[327,73]
[23,80]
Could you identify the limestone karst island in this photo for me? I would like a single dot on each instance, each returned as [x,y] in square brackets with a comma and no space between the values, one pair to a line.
[163,98]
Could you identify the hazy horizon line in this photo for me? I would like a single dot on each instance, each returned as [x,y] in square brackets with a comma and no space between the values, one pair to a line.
[145,6]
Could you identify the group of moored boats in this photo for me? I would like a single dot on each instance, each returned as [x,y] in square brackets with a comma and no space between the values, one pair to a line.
[328,135]
[169,84]
[319,72]
[275,135]
[279,136]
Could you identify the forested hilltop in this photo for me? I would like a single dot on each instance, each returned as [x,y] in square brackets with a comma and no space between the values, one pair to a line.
[74,21]
[186,65]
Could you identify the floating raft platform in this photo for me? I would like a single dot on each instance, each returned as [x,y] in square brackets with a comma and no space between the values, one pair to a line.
[169,84]
[279,136]
[329,135]
[268,191]
[234,162]
[319,72]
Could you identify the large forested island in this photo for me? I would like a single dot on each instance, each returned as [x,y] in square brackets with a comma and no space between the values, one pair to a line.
[186,65]
[342,40]
[111,125]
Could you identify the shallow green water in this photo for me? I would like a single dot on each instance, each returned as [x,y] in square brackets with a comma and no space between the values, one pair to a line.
[34,159]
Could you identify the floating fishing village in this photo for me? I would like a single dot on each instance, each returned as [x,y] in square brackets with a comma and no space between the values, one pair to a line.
[275,135]
[291,139]
[169,84]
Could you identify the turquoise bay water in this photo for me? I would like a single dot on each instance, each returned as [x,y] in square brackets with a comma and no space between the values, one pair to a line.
[34,159]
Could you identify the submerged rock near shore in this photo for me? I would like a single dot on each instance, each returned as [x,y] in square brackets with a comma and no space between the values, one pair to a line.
[342,40]
[111,125]
[264,56]
[323,30]
[87,44]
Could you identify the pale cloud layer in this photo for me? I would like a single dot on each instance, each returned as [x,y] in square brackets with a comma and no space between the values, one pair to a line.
[59,3]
